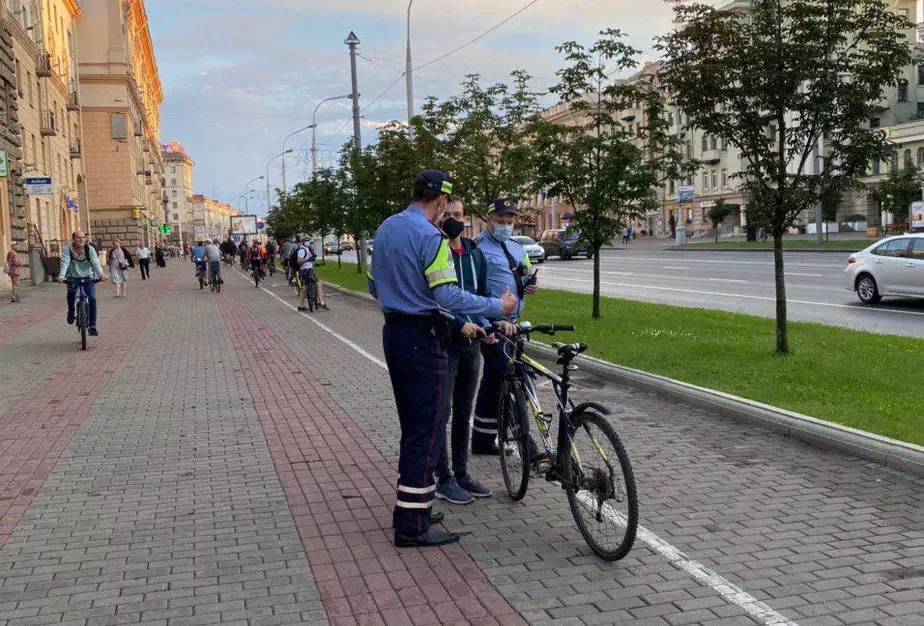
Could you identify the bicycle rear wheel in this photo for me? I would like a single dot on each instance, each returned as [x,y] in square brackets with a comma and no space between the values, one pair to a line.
[256,278]
[513,442]
[201,281]
[601,487]
[312,291]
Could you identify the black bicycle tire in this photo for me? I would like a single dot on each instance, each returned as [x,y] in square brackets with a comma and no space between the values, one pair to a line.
[256,279]
[631,526]
[82,320]
[218,286]
[312,291]
[510,414]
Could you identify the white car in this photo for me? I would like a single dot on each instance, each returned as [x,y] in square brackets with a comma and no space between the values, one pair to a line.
[891,267]
[533,250]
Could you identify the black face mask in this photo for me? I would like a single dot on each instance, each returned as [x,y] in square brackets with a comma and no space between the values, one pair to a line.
[452,227]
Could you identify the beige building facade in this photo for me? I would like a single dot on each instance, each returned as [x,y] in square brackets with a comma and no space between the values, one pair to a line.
[178,174]
[120,99]
[211,219]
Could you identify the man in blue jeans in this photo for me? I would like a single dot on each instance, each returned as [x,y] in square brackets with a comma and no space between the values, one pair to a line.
[464,351]
[80,261]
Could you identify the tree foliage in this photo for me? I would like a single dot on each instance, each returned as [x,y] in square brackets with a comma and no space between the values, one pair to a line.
[896,193]
[778,83]
[607,164]
[718,213]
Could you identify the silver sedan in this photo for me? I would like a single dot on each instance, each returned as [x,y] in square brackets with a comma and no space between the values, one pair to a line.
[533,250]
[891,267]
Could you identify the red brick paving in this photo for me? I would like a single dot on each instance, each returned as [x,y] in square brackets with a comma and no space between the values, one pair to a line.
[36,430]
[30,316]
[340,491]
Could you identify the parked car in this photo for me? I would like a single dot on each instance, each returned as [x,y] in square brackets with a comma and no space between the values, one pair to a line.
[891,267]
[347,245]
[564,243]
[533,250]
[333,248]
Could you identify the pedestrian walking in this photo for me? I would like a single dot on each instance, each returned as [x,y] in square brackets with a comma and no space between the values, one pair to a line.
[11,268]
[454,484]
[159,257]
[625,234]
[412,277]
[118,268]
[508,268]
[144,261]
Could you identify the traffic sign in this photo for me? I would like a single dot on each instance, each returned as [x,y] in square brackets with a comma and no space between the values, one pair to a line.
[685,194]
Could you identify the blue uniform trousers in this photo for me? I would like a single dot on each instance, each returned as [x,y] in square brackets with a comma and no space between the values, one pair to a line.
[484,428]
[419,367]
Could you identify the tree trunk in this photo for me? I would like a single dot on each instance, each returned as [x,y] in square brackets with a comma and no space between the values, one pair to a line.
[716,233]
[782,331]
[596,299]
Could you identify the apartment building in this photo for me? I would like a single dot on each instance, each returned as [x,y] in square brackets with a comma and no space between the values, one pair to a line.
[210,218]
[120,99]
[44,44]
[178,167]
[13,229]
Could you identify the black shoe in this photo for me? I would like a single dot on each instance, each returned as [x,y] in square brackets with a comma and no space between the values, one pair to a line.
[485,449]
[302,309]
[437,518]
[70,319]
[429,539]
[93,332]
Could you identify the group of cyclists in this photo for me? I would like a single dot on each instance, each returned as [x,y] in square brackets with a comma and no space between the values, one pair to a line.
[297,256]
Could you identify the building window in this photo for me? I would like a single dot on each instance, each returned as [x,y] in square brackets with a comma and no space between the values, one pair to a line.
[672,186]
[705,142]
[714,142]
[903,90]
[876,167]
[724,143]
[875,122]
[119,124]
[705,180]
[907,159]
[31,90]
[715,180]
[174,193]
[173,169]
[173,182]
[176,216]
[724,178]
[920,156]
[175,205]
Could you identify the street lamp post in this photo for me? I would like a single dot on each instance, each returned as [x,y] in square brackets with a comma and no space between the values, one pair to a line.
[246,192]
[408,72]
[314,129]
[281,154]
[285,188]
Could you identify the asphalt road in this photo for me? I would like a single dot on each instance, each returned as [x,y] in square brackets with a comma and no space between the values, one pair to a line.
[741,282]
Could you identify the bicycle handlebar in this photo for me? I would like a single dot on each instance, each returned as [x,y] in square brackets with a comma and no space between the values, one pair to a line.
[82,280]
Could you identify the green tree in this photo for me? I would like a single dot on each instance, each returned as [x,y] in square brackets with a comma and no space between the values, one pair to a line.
[718,214]
[775,81]
[603,163]
[896,193]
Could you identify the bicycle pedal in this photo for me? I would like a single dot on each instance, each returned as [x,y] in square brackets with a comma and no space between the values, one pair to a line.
[541,468]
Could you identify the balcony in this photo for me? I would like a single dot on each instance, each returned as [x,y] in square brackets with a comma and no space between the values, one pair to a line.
[49,125]
[73,104]
[76,152]
[43,65]
[711,156]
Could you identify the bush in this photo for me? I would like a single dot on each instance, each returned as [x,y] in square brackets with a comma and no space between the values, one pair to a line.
[856,217]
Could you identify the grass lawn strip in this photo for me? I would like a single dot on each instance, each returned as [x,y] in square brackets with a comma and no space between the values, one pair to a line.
[861,380]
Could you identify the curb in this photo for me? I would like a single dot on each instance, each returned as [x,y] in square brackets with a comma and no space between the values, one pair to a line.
[891,453]
[349,292]
[785,250]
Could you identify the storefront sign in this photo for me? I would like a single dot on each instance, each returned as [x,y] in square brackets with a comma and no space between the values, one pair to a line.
[917,216]
[39,186]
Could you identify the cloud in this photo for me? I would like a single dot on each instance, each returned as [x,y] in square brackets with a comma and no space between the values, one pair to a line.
[240,75]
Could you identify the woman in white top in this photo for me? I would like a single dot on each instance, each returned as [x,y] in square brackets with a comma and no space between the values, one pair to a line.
[118,268]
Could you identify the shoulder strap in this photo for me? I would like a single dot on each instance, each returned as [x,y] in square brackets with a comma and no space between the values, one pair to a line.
[521,289]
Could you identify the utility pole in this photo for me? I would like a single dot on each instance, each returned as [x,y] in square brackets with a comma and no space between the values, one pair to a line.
[819,218]
[409,70]
[352,41]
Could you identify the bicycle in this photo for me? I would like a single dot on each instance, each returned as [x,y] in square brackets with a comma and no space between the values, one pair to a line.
[82,308]
[593,469]
[271,264]
[200,275]
[311,290]
[295,280]
[256,273]
[214,279]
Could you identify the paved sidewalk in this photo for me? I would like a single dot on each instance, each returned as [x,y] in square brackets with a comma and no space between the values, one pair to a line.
[223,459]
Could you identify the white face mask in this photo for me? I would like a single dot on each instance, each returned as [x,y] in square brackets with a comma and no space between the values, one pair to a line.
[503,232]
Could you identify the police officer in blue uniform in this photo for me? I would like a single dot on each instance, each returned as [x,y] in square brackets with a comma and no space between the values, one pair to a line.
[508,268]
[413,278]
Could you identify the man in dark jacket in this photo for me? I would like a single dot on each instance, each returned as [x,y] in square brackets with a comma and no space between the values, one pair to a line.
[455,485]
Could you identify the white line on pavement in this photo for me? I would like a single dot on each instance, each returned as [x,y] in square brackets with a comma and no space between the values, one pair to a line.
[727,280]
[807,275]
[746,297]
[330,331]
[673,267]
[730,592]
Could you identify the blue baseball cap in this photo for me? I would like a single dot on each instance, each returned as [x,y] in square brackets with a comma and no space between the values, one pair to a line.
[502,206]
[434,180]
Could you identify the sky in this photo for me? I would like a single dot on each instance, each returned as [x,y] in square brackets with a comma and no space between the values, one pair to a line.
[240,75]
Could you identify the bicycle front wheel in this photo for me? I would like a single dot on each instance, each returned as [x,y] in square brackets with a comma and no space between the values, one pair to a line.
[82,317]
[601,487]
[513,442]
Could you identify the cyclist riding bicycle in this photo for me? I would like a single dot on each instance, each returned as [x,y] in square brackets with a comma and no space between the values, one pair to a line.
[243,249]
[255,257]
[198,258]
[79,261]
[213,256]
[305,257]
[270,249]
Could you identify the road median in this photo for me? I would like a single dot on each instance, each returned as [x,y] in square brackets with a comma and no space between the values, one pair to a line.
[839,385]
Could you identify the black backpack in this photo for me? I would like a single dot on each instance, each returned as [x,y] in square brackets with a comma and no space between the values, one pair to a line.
[293,258]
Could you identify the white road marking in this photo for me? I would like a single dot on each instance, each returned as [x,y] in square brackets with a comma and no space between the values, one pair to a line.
[808,275]
[747,297]
[673,267]
[727,280]
[326,329]
[731,593]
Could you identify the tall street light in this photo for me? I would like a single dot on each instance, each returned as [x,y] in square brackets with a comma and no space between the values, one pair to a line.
[285,188]
[247,194]
[408,72]
[281,154]
[314,129]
